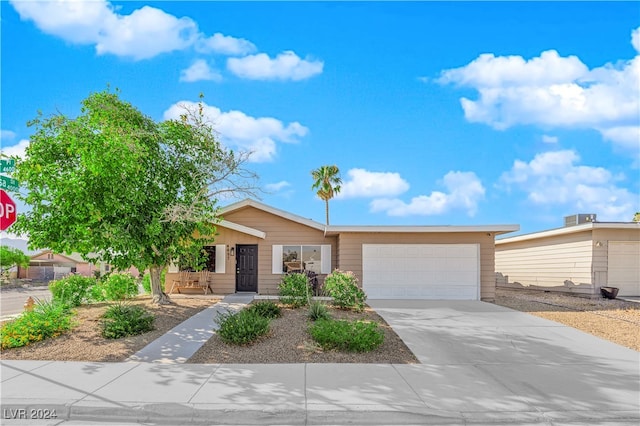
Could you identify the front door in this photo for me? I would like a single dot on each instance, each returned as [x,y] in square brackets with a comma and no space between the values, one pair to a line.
[247,267]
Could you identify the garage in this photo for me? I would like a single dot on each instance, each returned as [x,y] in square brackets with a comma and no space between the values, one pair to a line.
[421,271]
[624,267]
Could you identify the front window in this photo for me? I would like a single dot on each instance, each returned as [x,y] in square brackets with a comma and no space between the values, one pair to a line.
[301,259]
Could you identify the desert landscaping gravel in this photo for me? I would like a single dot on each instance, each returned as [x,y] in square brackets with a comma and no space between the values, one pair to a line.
[288,342]
[615,320]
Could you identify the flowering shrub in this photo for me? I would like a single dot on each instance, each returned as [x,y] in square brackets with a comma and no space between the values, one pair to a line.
[115,287]
[295,290]
[46,320]
[343,288]
[72,290]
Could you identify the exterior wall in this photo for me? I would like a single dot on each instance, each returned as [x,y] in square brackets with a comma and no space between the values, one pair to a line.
[279,231]
[566,263]
[350,251]
[601,239]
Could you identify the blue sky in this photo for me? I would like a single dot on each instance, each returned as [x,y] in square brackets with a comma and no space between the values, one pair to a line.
[448,113]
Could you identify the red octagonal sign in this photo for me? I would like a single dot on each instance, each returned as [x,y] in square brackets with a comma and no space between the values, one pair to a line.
[7,210]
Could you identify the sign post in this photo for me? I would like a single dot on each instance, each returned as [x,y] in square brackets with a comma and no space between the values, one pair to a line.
[8,213]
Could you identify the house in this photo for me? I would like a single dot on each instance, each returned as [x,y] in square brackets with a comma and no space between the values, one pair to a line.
[47,265]
[580,257]
[257,244]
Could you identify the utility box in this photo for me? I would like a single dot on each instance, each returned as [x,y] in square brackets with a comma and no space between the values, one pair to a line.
[579,219]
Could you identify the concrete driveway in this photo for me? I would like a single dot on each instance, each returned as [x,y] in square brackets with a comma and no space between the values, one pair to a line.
[480,357]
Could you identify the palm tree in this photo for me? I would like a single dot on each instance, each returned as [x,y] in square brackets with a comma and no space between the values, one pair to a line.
[327,181]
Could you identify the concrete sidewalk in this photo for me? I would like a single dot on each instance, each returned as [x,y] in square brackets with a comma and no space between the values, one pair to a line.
[481,364]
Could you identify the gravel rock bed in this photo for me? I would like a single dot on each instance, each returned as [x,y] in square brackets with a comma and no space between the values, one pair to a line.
[611,319]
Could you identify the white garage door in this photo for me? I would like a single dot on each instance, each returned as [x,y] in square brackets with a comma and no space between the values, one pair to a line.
[624,267]
[421,271]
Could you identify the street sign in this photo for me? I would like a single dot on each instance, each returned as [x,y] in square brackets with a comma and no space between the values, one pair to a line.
[7,165]
[8,212]
[9,184]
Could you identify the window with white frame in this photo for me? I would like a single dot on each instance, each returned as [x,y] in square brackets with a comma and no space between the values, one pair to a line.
[302,258]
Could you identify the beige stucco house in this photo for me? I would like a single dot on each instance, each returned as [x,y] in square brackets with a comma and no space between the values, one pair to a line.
[47,265]
[577,258]
[257,244]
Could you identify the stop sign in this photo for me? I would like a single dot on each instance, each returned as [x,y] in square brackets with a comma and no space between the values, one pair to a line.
[7,210]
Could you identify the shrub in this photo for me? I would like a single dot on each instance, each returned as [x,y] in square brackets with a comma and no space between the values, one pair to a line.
[72,290]
[46,320]
[295,290]
[350,336]
[146,281]
[318,311]
[343,288]
[115,287]
[122,320]
[266,308]
[242,327]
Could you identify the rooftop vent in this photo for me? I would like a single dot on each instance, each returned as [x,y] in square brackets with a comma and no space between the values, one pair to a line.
[578,219]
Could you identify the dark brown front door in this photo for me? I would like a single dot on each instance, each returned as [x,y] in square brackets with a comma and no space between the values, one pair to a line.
[247,267]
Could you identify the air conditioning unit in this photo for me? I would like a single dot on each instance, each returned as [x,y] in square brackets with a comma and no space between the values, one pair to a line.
[578,219]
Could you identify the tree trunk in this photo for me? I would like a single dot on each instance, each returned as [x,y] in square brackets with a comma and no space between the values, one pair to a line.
[157,295]
[327,210]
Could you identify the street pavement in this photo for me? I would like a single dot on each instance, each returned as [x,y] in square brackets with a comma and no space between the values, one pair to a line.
[480,364]
[12,299]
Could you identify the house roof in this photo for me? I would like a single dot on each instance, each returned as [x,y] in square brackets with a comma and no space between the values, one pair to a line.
[73,257]
[335,230]
[585,227]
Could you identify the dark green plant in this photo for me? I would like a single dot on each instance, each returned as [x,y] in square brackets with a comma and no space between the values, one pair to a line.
[349,336]
[266,308]
[241,328]
[73,290]
[295,290]
[343,288]
[45,321]
[318,311]
[123,320]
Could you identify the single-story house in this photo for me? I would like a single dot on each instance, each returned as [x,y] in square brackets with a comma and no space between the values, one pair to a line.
[47,265]
[577,258]
[257,244]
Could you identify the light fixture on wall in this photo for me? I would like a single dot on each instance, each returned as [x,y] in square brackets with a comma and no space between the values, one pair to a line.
[232,251]
[599,244]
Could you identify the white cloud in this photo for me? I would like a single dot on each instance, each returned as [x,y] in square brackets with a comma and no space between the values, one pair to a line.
[276,187]
[143,34]
[199,71]
[549,139]
[286,66]
[464,191]
[225,45]
[363,183]
[17,150]
[239,130]
[7,135]
[556,179]
[635,39]
[552,91]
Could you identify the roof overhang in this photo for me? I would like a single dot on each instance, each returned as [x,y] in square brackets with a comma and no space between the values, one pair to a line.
[585,227]
[284,214]
[492,229]
[243,229]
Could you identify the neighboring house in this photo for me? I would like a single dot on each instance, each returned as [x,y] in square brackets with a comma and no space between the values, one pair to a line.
[256,245]
[578,258]
[47,265]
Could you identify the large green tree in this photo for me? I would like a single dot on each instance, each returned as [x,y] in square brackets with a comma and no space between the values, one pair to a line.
[327,181]
[10,257]
[113,181]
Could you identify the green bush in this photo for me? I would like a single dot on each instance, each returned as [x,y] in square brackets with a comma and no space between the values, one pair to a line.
[343,288]
[122,320]
[72,290]
[318,311]
[146,281]
[117,286]
[266,308]
[295,290]
[350,336]
[242,327]
[46,320]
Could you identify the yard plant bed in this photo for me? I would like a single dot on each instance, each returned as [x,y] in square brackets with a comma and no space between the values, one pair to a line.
[85,342]
[289,342]
[611,319]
